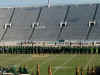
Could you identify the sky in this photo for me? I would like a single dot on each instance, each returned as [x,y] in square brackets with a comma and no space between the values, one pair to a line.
[38,3]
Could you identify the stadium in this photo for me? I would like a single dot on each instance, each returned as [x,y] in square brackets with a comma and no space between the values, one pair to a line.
[50,40]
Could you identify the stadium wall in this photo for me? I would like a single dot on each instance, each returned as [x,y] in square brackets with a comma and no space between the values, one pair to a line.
[51,43]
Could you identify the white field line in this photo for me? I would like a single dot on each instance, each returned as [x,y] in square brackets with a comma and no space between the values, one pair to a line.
[89,62]
[45,61]
[48,59]
[67,61]
[64,67]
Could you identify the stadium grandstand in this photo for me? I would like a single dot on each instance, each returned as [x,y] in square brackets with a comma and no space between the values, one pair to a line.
[68,24]
[67,37]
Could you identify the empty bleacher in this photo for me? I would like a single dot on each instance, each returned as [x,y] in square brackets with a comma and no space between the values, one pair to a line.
[50,18]
[77,18]
[78,22]
[4,16]
[21,25]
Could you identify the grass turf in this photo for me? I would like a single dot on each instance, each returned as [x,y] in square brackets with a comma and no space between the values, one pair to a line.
[62,64]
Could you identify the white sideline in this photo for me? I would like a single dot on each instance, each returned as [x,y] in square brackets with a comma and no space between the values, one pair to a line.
[89,62]
[67,61]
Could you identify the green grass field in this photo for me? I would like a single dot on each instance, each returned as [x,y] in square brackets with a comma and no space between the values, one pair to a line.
[62,64]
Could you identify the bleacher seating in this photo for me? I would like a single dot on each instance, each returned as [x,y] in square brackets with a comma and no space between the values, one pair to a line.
[78,17]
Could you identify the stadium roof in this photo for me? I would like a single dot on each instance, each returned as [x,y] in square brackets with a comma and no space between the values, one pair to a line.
[69,22]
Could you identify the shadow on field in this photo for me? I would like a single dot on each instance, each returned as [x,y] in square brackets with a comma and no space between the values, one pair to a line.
[98,70]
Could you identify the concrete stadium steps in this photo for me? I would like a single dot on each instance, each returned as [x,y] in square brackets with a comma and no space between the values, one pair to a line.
[95,35]
[4,14]
[78,22]
[21,24]
[1,30]
[4,17]
[17,34]
[50,18]
[23,16]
